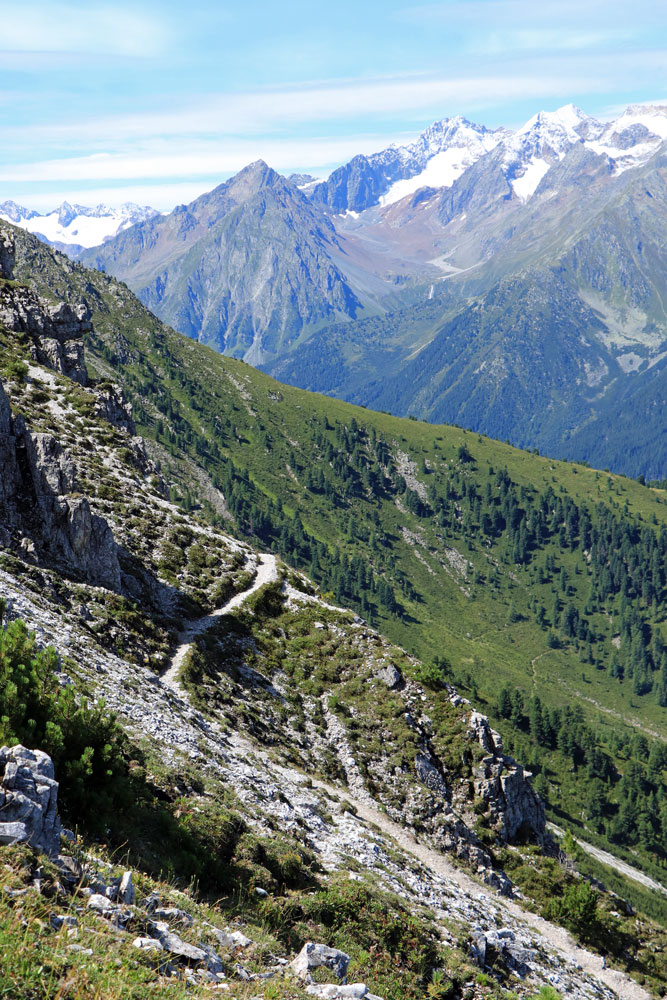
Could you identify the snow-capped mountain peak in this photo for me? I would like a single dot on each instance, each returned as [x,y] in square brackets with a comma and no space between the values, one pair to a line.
[568,122]
[444,151]
[633,138]
[541,142]
[12,212]
[76,226]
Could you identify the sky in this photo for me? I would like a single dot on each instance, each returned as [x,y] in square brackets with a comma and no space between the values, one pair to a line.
[156,102]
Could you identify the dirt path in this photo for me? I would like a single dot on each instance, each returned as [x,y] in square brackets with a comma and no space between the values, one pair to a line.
[533,662]
[558,938]
[614,862]
[266,572]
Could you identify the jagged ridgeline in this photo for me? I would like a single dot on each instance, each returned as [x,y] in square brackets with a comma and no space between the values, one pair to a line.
[536,585]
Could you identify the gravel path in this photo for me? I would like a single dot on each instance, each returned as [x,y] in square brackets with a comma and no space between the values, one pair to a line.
[266,572]
[614,862]
[559,939]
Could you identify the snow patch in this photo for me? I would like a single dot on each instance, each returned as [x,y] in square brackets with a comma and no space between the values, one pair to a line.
[525,185]
[445,167]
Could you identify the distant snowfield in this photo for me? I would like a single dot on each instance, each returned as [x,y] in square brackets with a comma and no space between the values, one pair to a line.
[84,230]
[524,186]
[76,225]
[444,168]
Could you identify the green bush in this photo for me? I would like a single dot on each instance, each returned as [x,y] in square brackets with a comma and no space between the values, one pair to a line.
[576,908]
[84,741]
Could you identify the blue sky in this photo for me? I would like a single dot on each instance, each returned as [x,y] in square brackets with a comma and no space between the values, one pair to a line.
[157,102]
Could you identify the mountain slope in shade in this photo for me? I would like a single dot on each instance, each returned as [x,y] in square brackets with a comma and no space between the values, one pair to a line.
[72,228]
[243,268]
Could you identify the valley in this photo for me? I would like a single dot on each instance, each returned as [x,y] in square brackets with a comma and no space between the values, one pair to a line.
[445,540]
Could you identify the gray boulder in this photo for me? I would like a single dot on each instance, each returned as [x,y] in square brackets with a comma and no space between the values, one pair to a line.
[389,675]
[29,799]
[313,956]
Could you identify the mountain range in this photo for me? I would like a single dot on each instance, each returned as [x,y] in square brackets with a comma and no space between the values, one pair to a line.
[509,281]
[72,228]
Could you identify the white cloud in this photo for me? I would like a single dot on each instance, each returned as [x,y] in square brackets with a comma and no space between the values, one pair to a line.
[201,159]
[69,28]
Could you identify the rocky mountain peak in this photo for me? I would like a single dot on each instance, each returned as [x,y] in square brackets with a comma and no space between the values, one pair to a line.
[15,213]
[66,213]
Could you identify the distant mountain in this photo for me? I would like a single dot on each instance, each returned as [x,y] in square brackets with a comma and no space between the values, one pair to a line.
[436,159]
[74,227]
[243,268]
[547,324]
[510,281]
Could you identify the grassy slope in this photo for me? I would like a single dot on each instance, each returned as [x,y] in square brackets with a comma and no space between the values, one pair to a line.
[246,429]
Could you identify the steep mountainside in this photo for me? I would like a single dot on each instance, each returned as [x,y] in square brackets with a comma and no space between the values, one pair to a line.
[243,268]
[510,563]
[309,780]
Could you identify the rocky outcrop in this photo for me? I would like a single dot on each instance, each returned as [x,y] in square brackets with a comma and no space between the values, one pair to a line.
[112,406]
[515,809]
[7,258]
[41,506]
[56,329]
[29,799]
[10,478]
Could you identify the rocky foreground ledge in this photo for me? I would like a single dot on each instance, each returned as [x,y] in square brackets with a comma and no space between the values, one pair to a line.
[85,893]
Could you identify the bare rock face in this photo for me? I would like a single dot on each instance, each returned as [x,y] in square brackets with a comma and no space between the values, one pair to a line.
[37,483]
[51,467]
[29,799]
[56,329]
[10,478]
[7,258]
[515,808]
[113,407]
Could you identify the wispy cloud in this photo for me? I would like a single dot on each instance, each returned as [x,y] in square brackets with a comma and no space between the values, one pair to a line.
[275,111]
[519,26]
[201,159]
[47,27]
[485,13]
